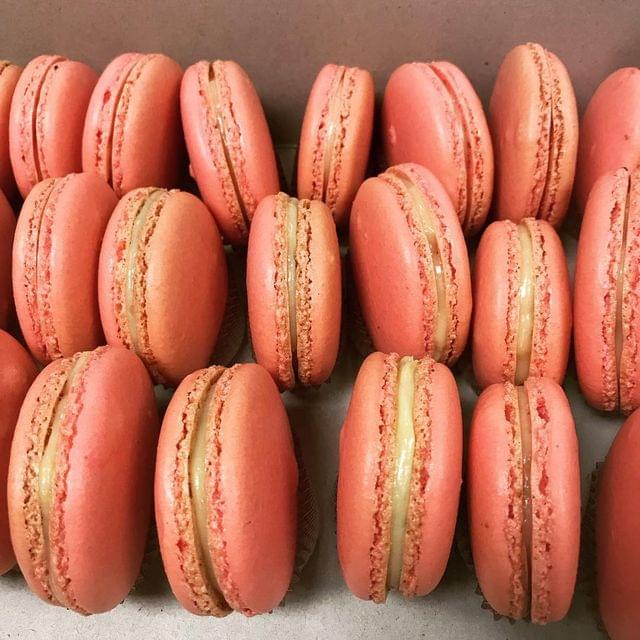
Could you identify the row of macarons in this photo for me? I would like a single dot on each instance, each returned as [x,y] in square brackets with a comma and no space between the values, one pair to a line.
[235,514]
[128,126]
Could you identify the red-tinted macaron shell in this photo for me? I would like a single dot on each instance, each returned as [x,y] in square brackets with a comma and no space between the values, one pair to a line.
[47,118]
[17,371]
[609,132]
[55,264]
[106,504]
[249,147]
[7,230]
[258,475]
[617,526]
[9,75]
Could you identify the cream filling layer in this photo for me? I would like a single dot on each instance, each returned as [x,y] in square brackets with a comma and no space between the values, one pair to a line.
[526,446]
[217,105]
[404,450]
[134,249]
[526,306]
[197,484]
[428,223]
[292,243]
[333,124]
[47,468]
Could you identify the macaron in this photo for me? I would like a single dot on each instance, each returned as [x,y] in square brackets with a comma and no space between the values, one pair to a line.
[229,144]
[294,290]
[81,478]
[534,124]
[47,118]
[17,372]
[225,492]
[336,137]
[410,265]
[132,135]
[9,75]
[432,115]
[523,488]
[609,135]
[162,281]
[7,229]
[55,264]
[399,477]
[607,328]
[522,299]
[617,526]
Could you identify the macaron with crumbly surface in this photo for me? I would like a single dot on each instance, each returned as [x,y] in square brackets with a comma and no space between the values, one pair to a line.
[81,478]
[229,144]
[9,76]
[522,298]
[399,478]
[523,488]
[294,290]
[534,125]
[336,137]
[226,492]
[410,265]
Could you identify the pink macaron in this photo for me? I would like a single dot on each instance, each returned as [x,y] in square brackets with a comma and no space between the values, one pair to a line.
[294,290]
[432,115]
[399,477]
[617,526]
[335,138]
[410,265]
[225,492]
[609,133]
[523,484]
[522,303]
[47,118]
[229,144]
[162,281]
[81,478]
[9,75]
[534,124]
[55,264]
[17,372]
[7,229]
[607,286]
[132,135]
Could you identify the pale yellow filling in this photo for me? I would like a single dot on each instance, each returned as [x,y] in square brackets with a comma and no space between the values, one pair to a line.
[526,308]
[47,466]
[197,484]
[136,238]
[404,449]
[292,241]
[526,445]
[428,223]
[333,124]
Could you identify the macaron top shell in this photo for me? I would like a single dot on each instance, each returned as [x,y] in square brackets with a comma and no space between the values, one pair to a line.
[229,144]
[534,123]
[308,357]
[163,281]
[605,293]
[7,229]
[610,132]
[89,555]
[431,115]
[521,578]
[617,526]
[514,338]
[9,75]
[132,134]
[251,483]
[47,118]
[55,264]
[17,371]
[366,478]
[411,265]
[336,137]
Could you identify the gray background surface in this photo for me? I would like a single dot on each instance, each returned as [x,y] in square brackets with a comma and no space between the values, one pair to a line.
[282,46]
